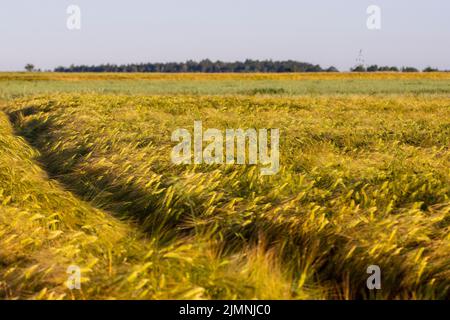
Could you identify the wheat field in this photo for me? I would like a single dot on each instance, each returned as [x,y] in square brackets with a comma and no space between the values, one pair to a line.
[86,179]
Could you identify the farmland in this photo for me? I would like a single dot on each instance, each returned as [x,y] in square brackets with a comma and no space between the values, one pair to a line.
[86,179]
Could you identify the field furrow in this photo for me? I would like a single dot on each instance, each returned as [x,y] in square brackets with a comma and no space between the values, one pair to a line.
[363,181]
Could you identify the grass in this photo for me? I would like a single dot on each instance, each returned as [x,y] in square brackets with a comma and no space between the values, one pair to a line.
[86,179]
[16,85]
[44,229]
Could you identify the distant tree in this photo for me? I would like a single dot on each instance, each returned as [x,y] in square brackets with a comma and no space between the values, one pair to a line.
[430,69]
[393,69]
[384,69]
[372,68]
[409,69]
[332,69]
[315,68]
[387,69]
[29,67]
[358,68]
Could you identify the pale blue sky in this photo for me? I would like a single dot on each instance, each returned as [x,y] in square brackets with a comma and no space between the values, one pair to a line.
[326,32]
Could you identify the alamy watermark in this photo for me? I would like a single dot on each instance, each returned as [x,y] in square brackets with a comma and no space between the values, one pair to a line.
[74,279]
[374,19]
[374,280]
[74,19]
[229,147]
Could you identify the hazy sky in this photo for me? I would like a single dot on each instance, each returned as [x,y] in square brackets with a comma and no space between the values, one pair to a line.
[326,32]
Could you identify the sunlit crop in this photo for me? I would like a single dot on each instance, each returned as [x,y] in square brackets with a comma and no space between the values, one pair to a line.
[86,179]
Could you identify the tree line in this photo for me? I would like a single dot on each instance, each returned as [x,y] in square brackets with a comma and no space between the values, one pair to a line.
[376,68]
[207,66]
